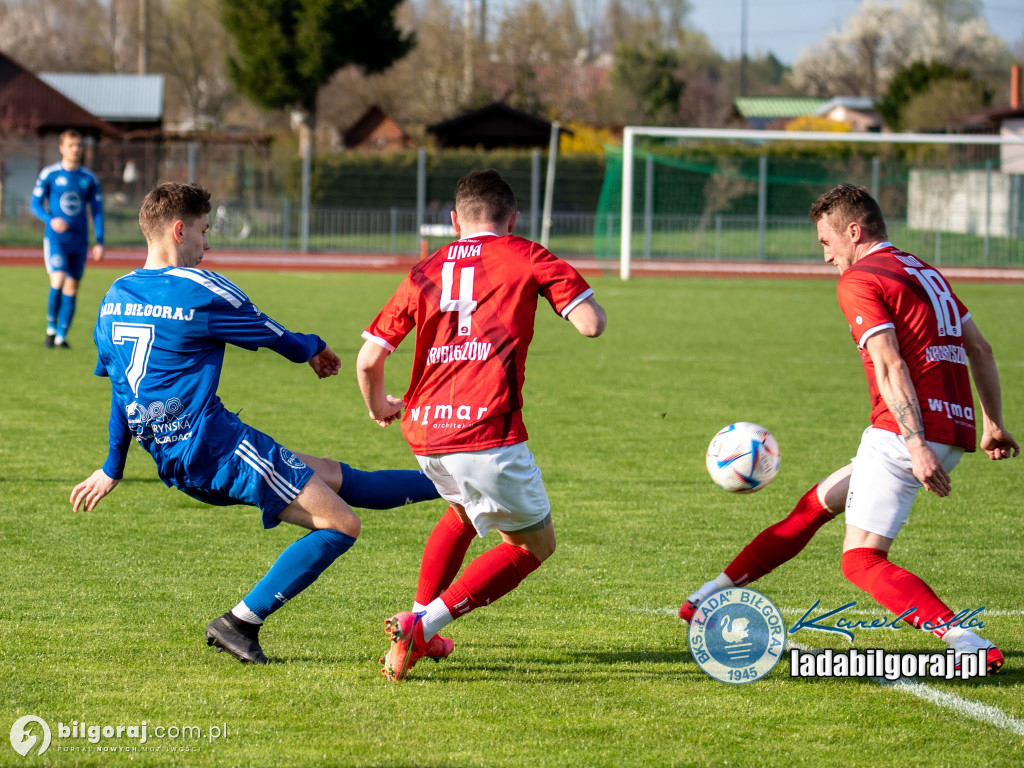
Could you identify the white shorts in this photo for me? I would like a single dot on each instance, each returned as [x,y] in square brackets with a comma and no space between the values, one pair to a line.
[499,487]
[883,486]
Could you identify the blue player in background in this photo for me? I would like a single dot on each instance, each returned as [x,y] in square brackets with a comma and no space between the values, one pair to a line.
[61,195]
[161,335]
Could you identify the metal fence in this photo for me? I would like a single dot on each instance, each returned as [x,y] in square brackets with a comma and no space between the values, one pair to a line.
[252,211]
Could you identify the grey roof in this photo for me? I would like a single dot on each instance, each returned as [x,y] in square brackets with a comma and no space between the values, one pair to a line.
[120,98]
[856,103]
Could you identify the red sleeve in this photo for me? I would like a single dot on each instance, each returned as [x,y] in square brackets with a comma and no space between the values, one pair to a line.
[559,283]
[396,320]
[863,305]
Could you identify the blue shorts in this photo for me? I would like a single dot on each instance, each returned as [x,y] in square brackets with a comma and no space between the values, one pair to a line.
[60,257]
[261,473]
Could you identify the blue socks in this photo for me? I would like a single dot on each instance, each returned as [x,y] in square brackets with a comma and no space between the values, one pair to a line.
[52,310]
[67,312]
[296,568]
[385,488]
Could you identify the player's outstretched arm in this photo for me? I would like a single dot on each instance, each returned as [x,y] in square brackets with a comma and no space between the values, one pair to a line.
[588,317]
[91,490]
[995,440]
[897,389]
[383,408]
[325,363]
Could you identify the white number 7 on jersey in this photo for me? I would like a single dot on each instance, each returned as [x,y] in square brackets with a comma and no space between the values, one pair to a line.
[464,305]
[142,338]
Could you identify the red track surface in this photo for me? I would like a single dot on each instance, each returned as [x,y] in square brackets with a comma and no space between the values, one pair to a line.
[126,260]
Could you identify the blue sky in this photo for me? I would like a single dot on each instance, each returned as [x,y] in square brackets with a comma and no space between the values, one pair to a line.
[786,27]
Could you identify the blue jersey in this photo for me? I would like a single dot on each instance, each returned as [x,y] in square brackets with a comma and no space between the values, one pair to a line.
[66,194]
[161,336]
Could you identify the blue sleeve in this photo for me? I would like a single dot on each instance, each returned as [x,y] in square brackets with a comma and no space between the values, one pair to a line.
[96,205]
[245,326]
[120,439]
[38,195]
[297,346]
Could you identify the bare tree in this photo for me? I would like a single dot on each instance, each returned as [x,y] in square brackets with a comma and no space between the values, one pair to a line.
[56,35]
[188,44]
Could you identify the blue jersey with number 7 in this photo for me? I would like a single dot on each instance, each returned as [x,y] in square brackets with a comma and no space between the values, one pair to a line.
[161,336]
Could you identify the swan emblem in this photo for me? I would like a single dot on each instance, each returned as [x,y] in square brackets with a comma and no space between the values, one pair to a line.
[734,630]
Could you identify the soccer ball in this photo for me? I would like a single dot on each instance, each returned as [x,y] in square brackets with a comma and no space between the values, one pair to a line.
[743,457]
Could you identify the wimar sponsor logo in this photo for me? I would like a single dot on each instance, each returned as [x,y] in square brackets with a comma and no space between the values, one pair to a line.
[446,414]
[952,410]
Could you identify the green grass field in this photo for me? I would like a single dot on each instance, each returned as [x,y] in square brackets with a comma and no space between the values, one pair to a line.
[102,614]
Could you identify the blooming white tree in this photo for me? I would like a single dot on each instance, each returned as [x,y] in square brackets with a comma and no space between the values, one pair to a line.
[884,37]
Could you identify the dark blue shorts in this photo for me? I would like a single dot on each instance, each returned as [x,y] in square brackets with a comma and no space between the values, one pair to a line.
[63,258]
[261,473]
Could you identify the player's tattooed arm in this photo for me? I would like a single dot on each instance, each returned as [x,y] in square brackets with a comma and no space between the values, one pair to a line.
[908,415]
[896,388]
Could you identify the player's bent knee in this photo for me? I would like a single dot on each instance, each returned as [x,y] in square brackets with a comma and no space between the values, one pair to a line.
[540,544]
[832,491]
[548,551]
[351,525]
[317,507]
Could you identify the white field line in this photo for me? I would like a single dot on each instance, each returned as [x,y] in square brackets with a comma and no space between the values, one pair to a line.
[975,710]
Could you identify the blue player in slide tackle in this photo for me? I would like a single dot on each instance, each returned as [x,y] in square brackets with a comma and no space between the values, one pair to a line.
[161,334]
[59,200]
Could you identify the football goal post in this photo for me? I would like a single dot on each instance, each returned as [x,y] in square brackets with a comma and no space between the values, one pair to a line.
[743,195]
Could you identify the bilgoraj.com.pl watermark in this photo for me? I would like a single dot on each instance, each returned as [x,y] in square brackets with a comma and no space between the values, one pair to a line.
[32,734]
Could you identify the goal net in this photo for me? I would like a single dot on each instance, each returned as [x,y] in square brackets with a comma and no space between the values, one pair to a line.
[743,195]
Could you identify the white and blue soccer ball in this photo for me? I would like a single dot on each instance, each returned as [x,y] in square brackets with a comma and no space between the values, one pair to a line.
[743,457]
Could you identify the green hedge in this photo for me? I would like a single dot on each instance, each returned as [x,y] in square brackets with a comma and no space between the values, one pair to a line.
[357,180]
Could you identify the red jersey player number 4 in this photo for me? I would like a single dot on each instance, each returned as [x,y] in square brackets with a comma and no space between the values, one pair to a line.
[473,304]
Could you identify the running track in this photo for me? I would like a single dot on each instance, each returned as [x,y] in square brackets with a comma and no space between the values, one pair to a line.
[126,260]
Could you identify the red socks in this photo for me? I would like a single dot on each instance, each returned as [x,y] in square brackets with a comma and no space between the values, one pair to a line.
[895,589]
[780,542]
[443,555]
[494,573]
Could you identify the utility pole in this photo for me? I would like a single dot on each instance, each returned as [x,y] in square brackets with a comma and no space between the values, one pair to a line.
[143,37]
[743,48]
[468,53]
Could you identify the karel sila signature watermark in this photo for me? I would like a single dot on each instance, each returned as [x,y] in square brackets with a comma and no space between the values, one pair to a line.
[841,625]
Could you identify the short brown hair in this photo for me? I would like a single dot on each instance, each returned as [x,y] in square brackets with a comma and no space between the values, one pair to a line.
[484,196]
[70,133]
[846,203]
[170,201]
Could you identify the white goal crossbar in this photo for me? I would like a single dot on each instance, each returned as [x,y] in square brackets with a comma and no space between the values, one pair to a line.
[632,131]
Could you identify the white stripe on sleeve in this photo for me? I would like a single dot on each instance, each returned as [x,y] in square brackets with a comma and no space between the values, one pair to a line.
[199,278]
[871,332]
[377,340]
[577,301]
